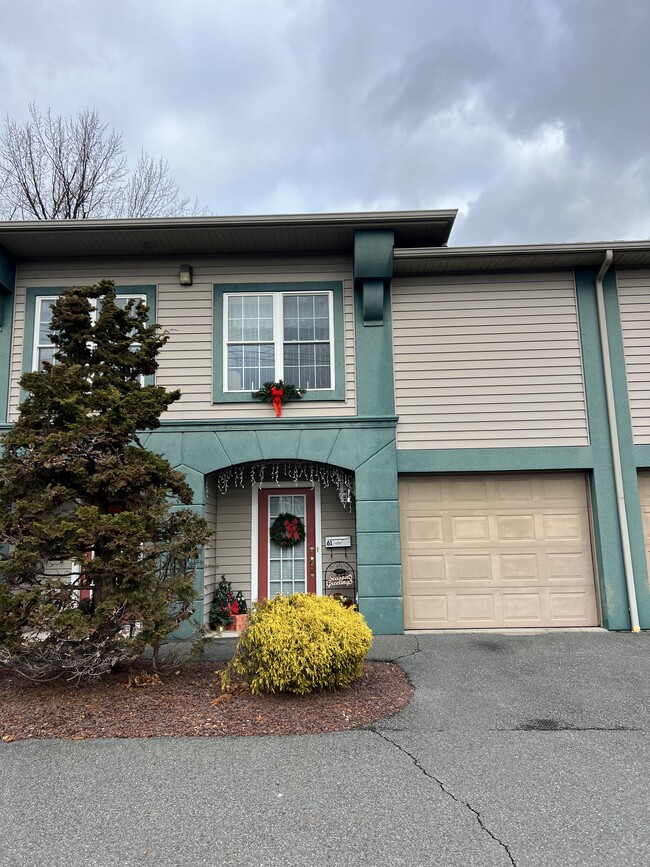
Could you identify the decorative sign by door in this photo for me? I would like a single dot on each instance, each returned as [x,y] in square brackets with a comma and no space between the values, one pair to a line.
[340,578]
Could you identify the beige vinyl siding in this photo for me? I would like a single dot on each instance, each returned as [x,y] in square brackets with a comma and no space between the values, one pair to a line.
[336,521]
[16,357]
[186,313]
[233,539]
[488,361]
[210,552]
[59,569]
[634,299]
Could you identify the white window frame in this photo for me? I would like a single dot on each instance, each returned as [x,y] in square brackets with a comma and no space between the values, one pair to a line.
[38,304]
[278,340]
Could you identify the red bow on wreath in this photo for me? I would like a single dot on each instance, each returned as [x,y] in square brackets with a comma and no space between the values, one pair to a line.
[291,529]
[277,394]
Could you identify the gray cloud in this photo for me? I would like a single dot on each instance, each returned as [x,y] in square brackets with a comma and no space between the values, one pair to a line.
[530,117]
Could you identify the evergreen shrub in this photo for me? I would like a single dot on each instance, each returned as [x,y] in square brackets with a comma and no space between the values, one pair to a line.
[301,644]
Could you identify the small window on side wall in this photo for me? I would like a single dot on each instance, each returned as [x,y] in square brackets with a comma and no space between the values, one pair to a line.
[43,346]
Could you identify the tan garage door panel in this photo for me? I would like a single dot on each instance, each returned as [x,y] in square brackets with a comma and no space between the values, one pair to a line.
[496,550]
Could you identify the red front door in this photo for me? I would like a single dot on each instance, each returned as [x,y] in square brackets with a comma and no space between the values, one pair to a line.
[286,570]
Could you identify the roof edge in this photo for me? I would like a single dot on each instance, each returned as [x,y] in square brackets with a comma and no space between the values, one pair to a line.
[245,221]
[520,249]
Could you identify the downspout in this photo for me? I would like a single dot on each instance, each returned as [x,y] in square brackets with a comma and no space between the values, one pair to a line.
[613,436]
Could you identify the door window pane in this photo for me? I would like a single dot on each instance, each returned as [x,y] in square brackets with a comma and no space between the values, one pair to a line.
[287,566]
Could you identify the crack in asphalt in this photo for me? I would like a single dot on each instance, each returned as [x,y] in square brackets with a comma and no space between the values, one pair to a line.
[417,650]
[447,792]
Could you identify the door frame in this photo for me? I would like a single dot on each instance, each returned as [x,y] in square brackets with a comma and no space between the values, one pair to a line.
[298,487]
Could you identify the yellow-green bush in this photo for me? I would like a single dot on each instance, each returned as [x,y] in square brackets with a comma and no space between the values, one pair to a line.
[302,643]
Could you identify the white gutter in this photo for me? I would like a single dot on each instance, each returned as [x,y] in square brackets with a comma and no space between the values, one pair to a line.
[613,436]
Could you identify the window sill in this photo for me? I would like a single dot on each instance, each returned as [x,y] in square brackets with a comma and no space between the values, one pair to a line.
[312,395]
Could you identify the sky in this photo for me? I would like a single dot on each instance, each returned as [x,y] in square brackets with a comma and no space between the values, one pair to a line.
[531,117]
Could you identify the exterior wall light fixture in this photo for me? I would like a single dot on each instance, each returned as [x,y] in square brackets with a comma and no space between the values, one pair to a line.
[185,276]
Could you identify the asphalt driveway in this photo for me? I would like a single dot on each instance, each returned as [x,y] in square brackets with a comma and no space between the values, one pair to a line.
[517,749]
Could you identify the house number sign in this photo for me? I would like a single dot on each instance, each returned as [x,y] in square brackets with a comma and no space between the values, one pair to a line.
[337,541]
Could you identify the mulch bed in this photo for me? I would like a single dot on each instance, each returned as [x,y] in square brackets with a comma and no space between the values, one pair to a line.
[189,702]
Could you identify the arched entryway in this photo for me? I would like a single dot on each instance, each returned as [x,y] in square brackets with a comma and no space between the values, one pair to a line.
[243,502]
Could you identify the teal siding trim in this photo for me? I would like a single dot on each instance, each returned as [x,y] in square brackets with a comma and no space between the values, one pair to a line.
[373,255]
[30,310]
[374,361]
[384,616]
[333,286]
[329,423]
[607,538]
[627,450]
[373,270]
[7,270]
[642,457]
[494,460]
[7,286]
[353,448]
[188,627]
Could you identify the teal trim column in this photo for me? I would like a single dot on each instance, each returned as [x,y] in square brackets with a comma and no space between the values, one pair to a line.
[607,536]
[373,333]
[627,449]
[7,287]
[197,483]
[170,446]
[379,558]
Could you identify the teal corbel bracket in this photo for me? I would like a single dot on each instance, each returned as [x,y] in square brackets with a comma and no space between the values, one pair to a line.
[373,302]
[373,270]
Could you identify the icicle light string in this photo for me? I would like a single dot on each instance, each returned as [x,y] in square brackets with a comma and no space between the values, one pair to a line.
[292,471]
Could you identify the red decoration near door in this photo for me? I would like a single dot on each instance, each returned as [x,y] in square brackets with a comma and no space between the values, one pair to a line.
[277,394]
[291,529]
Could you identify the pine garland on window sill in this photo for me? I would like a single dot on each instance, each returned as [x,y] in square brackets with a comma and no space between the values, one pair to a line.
[278,393]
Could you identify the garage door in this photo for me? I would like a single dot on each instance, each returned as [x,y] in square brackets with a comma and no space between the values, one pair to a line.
[496,550]
[644,496]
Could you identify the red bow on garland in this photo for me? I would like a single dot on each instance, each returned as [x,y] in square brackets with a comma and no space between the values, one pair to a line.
[277,394]
[291,529]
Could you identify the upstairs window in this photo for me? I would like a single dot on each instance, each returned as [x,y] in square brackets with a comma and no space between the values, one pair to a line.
[43,347]
[279,335]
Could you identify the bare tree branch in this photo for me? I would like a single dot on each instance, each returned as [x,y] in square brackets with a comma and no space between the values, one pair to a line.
[52,168]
